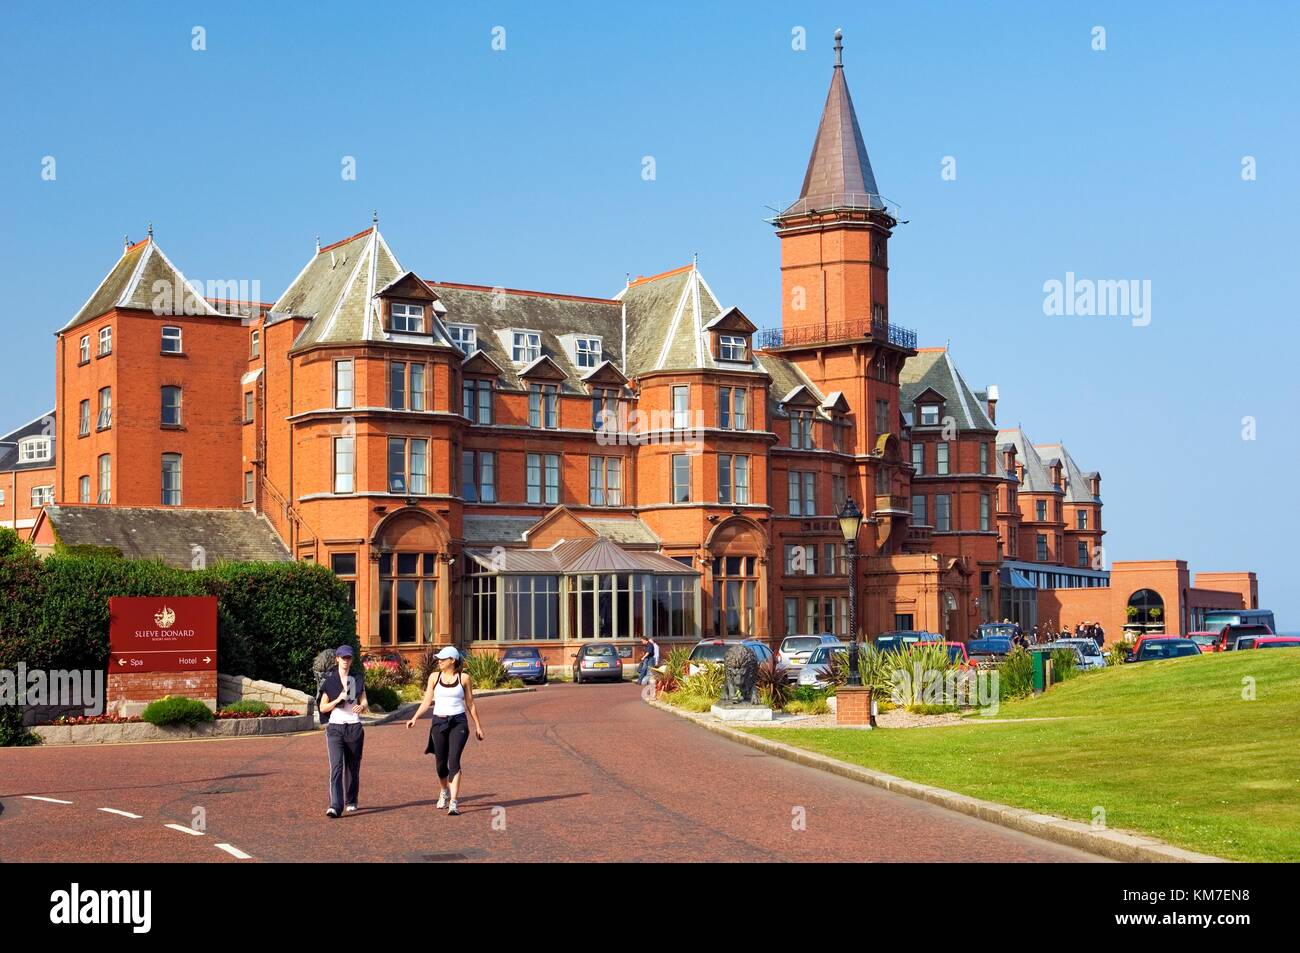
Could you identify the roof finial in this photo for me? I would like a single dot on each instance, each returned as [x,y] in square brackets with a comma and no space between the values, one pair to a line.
[374,218]
[151,231]
[695,261]
[318,244]
[839,48]
[126,243]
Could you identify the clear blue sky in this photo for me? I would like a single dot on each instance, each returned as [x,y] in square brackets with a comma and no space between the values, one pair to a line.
[523,168]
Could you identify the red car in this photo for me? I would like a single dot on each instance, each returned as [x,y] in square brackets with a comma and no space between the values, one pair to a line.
[1208,641]
[956,652]
[1278,642]
[1247,634]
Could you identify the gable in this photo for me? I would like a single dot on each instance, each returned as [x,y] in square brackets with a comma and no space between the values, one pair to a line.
[732,320]
[556,525]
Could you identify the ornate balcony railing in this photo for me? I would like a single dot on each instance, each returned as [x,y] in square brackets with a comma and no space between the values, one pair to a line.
[838,201]
[812,334]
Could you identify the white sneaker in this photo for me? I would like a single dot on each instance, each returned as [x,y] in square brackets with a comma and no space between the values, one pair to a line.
[452,809]
[350,809]
[442,800]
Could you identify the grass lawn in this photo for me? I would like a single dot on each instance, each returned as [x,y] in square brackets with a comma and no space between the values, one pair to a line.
[1166,748]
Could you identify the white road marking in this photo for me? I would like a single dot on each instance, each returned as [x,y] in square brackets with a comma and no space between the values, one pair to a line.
[184,830]
[113,810]
[234,851]
[51,800]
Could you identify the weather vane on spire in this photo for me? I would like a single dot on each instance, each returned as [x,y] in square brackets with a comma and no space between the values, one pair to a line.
[839,48]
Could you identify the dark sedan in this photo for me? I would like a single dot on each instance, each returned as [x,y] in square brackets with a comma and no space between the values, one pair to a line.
[1153,649]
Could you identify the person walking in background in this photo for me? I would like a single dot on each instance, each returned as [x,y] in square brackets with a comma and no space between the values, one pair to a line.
[649,660]
[343,698]
[1099,634]
[451,693]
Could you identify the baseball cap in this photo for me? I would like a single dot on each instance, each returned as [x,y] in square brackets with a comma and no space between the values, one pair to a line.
[448,651]
[343,651]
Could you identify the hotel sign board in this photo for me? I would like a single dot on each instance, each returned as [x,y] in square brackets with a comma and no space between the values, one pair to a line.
[162,634]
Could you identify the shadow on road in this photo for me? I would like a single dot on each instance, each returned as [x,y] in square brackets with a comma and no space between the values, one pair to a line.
[476,800]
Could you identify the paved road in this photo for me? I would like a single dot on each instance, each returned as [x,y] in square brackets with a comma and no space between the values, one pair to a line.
[585,773]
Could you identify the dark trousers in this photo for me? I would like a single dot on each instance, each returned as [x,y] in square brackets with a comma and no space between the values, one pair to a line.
[448,735]
[344,744]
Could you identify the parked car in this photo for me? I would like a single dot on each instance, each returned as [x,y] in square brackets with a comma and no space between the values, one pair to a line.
[795,650]
[996,630]
[715,650]
[815,668]
[1050,647]
[956,651]
[1208,641]
[1278,642]
[1162,648]
[989,650]
[525,663]
[901,638]
[1089,652]
[600,660]
[1231,636]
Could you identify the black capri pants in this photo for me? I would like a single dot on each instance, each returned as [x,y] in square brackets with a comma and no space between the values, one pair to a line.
[447,737]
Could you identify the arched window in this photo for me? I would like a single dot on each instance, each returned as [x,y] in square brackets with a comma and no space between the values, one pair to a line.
[1146,608]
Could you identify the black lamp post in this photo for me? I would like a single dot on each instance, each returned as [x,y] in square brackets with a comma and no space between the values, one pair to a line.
[850,523]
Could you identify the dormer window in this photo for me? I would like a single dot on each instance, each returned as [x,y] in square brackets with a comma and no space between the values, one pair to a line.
[464,337]
[407,317]
[525,346]
[34,450]
[929,415]
[732,347]
[587,352]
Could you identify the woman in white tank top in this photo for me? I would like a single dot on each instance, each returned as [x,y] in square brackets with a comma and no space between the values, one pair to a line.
[451,694]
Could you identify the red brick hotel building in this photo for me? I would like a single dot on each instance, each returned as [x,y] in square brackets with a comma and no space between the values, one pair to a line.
[486,465]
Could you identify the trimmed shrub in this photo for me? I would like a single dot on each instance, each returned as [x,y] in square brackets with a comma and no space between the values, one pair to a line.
[381,676]
[177,710]
[383,697]
[247,706]
[273,619]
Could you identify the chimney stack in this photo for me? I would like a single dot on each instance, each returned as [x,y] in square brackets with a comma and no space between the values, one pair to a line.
[991,395]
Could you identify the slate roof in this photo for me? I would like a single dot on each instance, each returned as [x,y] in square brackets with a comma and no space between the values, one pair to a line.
[42,425]
[483,530]
[596,555]
[667,315]
[1077,489]
[655,323]
[933,369]
[168,533]
[134,283]
[1038,479]
[839,172]
[337,290]
[493,310]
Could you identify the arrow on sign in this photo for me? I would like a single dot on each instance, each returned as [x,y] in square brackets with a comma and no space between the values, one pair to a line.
[206,660]
[121,661]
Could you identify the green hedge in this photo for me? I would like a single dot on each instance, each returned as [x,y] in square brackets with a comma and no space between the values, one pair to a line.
[176,710]
[272,618]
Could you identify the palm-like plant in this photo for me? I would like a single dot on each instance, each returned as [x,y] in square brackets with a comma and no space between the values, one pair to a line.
[772,685]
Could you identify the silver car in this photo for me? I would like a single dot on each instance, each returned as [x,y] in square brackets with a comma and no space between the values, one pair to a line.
[796,649]
[812,670]
[1088,655]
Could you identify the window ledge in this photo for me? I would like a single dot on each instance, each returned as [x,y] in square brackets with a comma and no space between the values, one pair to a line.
[172,426]
[173,353]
